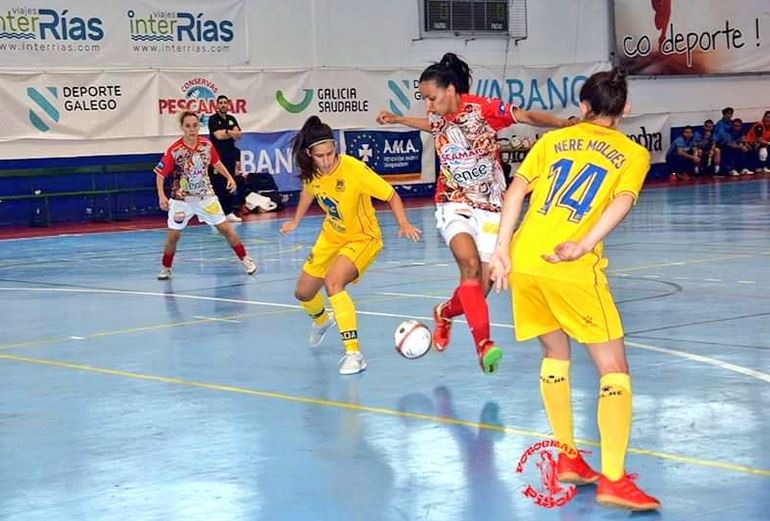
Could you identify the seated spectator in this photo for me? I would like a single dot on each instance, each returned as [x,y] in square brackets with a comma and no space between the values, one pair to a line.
[708,151]
[683,157]
[723,126]
[735,150]
[757,139]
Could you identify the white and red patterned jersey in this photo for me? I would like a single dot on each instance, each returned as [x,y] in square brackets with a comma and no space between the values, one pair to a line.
[469,153]
[189,167]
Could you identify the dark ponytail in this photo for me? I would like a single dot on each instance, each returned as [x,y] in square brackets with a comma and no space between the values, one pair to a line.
[451,70]
[313,132]
[606,93]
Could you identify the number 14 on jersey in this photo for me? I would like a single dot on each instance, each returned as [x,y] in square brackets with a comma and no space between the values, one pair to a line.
[578,194]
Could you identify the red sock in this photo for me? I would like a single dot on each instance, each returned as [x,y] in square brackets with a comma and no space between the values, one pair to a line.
[452,307]
[239,250]
[168,259]
[475,308]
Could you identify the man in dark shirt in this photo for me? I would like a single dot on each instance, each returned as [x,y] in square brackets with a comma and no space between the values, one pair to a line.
[225,131]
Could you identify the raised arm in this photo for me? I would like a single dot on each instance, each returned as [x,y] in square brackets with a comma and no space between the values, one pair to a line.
[541,119]
[388,118]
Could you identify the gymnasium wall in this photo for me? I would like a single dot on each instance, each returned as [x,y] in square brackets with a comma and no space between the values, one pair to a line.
[359,56]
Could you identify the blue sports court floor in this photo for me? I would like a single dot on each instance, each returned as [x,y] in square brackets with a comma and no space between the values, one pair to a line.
[122,397]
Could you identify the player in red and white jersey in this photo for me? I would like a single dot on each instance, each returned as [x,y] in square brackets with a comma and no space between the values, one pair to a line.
[187,162]
[469,188]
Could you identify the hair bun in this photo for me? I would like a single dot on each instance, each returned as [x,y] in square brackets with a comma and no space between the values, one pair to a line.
[618,76]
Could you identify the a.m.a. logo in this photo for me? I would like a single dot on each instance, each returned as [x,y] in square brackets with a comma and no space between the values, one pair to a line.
[44,107]
[364,146]
[652,141]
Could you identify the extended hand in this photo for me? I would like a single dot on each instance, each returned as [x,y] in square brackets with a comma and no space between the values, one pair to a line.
[566,251]
[288,227]
[499,269]
[409,231]
[386,118]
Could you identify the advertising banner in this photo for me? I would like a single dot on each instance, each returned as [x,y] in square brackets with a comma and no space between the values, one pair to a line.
[661,37]
[65,33]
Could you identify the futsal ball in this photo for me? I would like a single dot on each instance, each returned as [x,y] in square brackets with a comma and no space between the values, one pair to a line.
[413,339]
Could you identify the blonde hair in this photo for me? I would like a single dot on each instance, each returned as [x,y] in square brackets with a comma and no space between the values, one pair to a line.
[185,114]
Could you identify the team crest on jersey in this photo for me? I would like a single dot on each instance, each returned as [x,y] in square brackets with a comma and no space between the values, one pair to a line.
[340,185]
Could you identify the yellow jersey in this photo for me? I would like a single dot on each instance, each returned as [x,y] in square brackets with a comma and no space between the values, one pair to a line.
[574,173]
[345,195]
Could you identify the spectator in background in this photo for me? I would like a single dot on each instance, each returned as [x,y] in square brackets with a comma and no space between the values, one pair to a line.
[757,139]
[735,151]
[709,153]
[225,131]
[722,128]
[683,157]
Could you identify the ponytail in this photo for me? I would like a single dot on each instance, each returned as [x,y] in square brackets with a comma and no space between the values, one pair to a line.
[313,132]
[606,93]
[451,70]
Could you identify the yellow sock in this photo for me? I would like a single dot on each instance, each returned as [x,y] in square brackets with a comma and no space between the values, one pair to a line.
[555,390]
[345,315]
[614,417]
[315,308]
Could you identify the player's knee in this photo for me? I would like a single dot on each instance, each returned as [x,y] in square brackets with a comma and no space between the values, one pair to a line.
[334,286]
[470,269]
[303,295]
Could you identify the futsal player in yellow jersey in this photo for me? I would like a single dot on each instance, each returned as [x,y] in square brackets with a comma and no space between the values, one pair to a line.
[350,236]
[582,181]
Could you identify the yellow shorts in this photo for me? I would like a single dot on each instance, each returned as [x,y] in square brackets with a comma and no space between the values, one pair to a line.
[583,310]
[361,253]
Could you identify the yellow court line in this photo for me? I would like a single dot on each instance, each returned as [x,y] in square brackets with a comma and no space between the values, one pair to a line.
[140,329]
[155,327]
[368,409]
[687,263]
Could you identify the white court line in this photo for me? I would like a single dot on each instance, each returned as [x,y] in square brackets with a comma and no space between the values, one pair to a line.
[214,319]
[713,280]
[746,282]
[162,228]
[704,359]
[673,352]
[411,295]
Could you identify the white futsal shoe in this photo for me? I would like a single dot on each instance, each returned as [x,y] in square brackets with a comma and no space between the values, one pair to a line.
[164,273]
[352,363]
[249,265]
[317,333]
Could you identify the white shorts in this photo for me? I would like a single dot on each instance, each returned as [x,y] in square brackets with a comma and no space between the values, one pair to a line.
[455,218]
[208,211]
